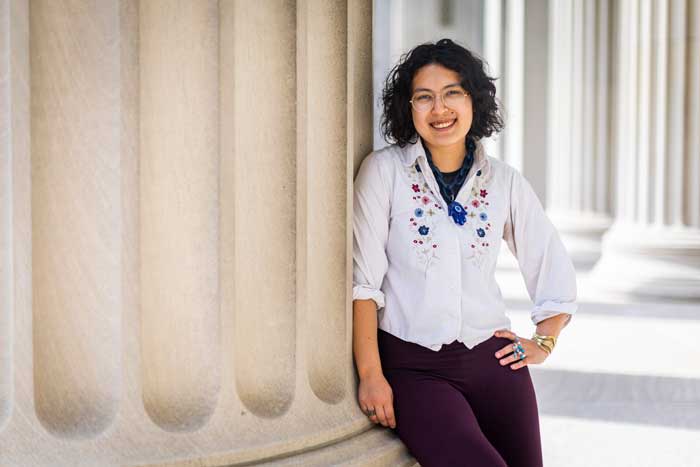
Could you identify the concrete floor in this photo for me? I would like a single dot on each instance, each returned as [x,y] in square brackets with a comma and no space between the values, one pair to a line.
[622,387]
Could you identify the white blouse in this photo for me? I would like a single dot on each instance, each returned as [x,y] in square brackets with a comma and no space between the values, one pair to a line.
[432,279]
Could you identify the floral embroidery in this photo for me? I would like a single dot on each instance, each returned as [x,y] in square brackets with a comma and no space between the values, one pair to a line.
[424,218]
[474,217]
[477,218]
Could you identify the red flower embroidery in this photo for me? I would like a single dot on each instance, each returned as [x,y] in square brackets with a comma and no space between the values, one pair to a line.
[426,200]
[484,193]
[415,187]
[475,203]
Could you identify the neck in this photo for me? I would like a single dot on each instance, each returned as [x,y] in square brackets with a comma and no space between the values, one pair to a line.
[447,158]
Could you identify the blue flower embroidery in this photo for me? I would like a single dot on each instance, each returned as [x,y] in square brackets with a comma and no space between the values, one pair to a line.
[478,173]
[481,232]
[483,216]
[423,230]
[418,212]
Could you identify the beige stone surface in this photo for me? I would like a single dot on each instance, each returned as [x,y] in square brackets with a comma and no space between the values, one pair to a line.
[175,183]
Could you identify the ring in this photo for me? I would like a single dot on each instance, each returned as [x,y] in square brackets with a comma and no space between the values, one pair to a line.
[369,413]
[519,351]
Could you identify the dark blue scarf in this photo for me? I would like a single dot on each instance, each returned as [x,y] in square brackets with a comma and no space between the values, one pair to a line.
[449,190]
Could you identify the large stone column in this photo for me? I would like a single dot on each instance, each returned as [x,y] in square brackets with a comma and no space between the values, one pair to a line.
[580,102]
[175,272]
[653,248]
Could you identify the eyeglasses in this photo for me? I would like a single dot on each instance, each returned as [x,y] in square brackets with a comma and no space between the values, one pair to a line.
[424,101]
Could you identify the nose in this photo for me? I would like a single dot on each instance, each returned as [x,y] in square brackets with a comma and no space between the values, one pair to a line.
[438,106]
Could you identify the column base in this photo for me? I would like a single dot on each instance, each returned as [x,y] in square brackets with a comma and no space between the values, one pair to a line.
[649,261]
[376,447]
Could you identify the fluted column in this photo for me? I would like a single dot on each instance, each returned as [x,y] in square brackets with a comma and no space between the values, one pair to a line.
[580,102]
[175,250]
[653,248]
[516,49]
[493,54]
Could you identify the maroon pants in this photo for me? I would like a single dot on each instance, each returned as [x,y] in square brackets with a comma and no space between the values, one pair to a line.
[460,407]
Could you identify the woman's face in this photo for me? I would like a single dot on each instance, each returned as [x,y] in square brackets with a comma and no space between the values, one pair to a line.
[440,80]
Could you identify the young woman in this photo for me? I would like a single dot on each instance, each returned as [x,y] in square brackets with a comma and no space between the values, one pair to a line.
[432,343]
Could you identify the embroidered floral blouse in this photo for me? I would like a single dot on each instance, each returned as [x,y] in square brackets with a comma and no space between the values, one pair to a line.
[433,280]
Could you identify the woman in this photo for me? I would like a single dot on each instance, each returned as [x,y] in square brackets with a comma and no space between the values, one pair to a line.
[432,343]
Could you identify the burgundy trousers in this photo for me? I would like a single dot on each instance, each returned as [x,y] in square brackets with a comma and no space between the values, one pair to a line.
[460,408]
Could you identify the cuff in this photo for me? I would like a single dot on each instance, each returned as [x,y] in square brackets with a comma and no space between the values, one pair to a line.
[551,308]
[363,292]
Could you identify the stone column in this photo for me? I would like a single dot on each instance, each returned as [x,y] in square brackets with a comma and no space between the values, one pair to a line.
[516,38]
[493,54]
[653,248]
[580,103]
[175,249]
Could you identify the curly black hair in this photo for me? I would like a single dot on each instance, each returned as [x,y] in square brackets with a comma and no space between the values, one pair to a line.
[397,122]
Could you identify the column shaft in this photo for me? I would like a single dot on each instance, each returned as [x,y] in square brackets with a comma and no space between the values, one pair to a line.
[653,248]
[578,172]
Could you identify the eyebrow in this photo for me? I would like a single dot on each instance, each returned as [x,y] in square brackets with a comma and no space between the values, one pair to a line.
[445,87]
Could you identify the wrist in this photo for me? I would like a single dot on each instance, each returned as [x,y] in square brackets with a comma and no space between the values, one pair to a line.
[368,373]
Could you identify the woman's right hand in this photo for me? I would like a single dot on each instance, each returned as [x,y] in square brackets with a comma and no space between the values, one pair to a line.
[375,393]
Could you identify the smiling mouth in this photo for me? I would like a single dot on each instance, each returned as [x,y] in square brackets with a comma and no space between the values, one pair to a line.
[443,125]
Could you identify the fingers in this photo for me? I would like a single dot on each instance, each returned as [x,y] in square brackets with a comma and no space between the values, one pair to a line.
[520,364]
[386,416]
[504,351]
[384,412]
[389,414]
[382,415]
[375,417]
[505,333]
[511,357]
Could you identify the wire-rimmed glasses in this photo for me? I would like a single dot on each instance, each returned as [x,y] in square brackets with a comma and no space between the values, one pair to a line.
[424,101]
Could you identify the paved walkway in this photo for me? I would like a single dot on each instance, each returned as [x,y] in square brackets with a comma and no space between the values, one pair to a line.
[622,387]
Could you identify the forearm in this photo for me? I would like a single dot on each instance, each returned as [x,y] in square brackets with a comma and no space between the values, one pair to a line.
[365,347]
[553,325]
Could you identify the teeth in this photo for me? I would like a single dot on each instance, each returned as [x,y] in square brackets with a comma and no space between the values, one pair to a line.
[442,125]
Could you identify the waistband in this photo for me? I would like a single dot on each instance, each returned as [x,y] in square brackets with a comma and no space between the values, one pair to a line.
[395,352]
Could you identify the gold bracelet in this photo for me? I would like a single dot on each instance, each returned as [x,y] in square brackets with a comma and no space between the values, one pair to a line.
[543,347]
[545,342]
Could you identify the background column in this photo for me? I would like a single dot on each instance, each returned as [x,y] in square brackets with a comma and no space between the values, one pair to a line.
[653,248]
[579,177]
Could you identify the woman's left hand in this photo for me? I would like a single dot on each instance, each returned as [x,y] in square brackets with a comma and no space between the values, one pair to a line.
[533,352]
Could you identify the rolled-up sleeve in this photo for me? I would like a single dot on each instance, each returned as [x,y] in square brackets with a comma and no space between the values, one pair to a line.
[545,265]
[370,226]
